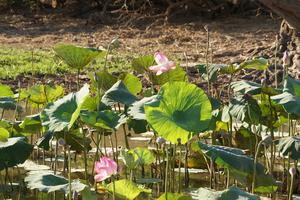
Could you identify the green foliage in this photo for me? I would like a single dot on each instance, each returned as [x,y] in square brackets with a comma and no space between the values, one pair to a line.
[125,189]
[177,74]
[137,111]
[76,57]
[232,193]
[14,151]
[4,134]
[290,98]
[132,83]
[5,91]
[42,94]
[118,93]
[105,119]
[64,112]
[257,63]
[142,156]
[179,111]
[46,181]
[141,64]
[8,103]
[290,146]
[175,196]
[240,166]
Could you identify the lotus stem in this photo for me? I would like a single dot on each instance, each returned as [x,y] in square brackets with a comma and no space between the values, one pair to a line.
[186,170]
[275,62]
[85,157]
[78,73]
[2,114]
[98,139]
[206,59]
[254,165]
[69,172]
[125,136]
[166,175]
[179,167]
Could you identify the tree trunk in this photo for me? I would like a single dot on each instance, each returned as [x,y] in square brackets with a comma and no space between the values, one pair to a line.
[289,40]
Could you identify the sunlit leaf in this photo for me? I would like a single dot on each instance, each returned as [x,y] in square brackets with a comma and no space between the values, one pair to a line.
[175,196]
[179,111]
[132,83]
[4,134]
[76,57]
[232,193]
[5,91]
[177,74]
[290,146]
[118,93]
[142,63]
[125,189]
[63,113]
[46,181]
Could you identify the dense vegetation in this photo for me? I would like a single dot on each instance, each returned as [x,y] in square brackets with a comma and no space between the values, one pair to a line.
[244,135]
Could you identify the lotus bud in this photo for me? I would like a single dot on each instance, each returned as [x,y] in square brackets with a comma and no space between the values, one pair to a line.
[286,58]
[292,171]
[160,140]
[267,139]
[61,142]
[115,43]
[179,141]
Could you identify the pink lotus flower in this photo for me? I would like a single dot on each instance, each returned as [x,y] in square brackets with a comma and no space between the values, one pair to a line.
[105,168]
[163,64]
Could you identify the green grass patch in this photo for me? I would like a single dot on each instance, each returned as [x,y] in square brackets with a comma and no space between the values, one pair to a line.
[17,61]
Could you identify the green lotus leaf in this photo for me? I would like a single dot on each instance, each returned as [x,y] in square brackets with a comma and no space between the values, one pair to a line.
[14,152]
[63,113]
[257,64]
[76,57]
[290,98]
[128,159]
[46,181]
[5,91]
[8,103]
[249,87]
[232,193]
[240,166]
[138,126]
[142,63]
[175,196]
[104,80]
[245,109]
[125,189]
[177,74]
[75,139]
[290,146]
[4,134]
[44,141]
[132,83]
[213,70]
[137,111]
[106,119]
[118,93]
[31,124]
[42,94]
[179,111]
[142,156]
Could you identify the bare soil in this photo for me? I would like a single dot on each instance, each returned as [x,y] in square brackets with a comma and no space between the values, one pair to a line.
[233,38]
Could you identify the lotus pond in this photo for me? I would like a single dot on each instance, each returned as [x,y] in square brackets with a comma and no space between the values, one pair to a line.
[150,133]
